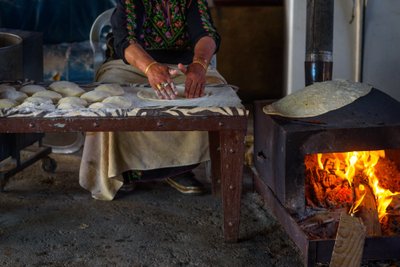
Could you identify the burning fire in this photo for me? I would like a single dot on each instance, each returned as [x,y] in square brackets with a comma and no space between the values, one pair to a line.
[348,166]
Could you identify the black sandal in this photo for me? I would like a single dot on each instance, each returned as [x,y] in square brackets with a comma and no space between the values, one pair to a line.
[130,179]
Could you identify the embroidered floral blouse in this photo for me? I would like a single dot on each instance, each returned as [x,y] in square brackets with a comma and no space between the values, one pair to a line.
[166,29]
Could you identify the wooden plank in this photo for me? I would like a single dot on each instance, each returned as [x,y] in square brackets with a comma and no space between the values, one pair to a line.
[349,244]
[101,124]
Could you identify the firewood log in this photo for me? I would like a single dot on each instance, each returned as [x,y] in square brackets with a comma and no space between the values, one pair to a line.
[367,211]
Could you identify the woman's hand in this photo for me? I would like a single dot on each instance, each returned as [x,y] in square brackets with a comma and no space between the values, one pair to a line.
[195,79]
[160,79]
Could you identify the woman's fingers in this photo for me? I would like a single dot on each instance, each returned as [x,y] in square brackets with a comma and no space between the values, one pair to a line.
[166,90]
[169,91]
[194,89]
[199,90]
[160,77]
[195,81]
[188,88]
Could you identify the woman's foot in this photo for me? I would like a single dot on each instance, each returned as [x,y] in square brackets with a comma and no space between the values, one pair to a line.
[181,178]
[186,183]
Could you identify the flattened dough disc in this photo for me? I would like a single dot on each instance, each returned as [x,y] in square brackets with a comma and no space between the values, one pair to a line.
[149,94]
[318,99]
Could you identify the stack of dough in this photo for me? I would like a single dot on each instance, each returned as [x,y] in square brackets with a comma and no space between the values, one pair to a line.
[66,95]
[103,91]
[10,97]
[114,102]
[40,97]
[113,99]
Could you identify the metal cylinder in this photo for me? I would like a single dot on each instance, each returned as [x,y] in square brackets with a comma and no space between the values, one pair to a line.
[11,57]
[319,41]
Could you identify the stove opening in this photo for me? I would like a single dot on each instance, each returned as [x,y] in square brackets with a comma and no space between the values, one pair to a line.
[365,184]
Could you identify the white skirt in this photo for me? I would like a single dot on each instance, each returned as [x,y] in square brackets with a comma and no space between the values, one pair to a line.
[106,155]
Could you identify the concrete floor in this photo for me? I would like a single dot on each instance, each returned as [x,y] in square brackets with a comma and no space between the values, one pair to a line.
[47,219]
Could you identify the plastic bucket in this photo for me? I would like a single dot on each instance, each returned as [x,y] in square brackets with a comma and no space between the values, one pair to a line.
[11,57]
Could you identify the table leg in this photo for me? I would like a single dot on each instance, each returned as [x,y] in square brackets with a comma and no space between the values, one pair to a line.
[232,160]
[215,156]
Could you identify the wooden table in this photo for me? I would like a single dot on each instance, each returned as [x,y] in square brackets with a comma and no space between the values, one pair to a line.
[226,129]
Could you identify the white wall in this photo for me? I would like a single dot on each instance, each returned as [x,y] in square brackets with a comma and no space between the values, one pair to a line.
[344,43]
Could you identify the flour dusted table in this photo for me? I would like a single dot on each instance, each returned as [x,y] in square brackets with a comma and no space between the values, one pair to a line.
[226,127]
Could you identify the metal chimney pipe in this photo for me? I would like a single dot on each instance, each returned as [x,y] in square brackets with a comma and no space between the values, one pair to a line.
[319,41]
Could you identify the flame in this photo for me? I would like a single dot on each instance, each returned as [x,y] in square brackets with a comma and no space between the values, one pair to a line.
[357,203]
[319,157]
[362,161]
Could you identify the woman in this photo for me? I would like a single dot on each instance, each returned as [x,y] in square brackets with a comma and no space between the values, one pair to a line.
[163,43]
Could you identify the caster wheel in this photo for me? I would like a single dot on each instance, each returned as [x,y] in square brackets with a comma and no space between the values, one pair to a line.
[49,164]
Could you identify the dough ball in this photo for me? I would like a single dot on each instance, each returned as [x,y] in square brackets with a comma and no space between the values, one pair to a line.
[101,105]
[113,88]
[37,102]
[73,100]
[95,96]
[6,88]
[119,101]
[13,95]
[69,106]
[7,103]
[66,88]
[30,89]
[54,96]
